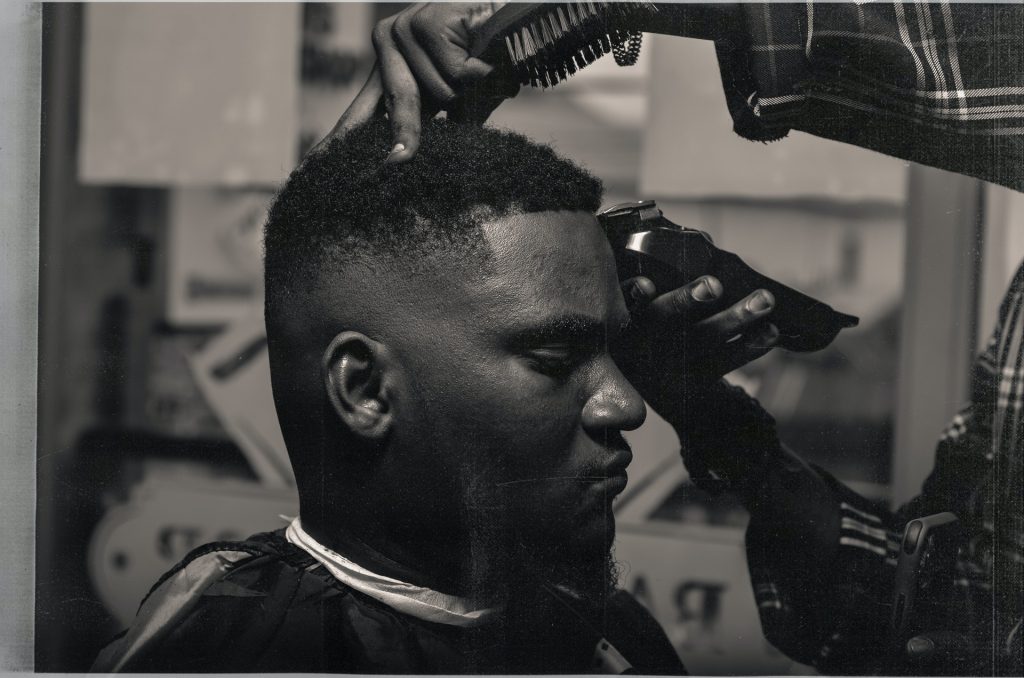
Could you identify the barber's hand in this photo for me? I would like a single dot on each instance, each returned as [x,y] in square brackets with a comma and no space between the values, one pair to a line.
[683,340]
[424,66]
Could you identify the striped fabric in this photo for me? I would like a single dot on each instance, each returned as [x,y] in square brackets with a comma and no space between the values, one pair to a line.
[865,531]
[829,604]
[937,83]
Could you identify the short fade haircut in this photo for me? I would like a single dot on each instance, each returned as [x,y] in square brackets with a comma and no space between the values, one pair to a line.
[344,203]
[343,207]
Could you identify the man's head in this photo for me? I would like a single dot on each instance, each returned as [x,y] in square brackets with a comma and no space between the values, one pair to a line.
[438,337]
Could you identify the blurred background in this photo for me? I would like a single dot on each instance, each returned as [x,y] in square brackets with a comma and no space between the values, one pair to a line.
[167,128]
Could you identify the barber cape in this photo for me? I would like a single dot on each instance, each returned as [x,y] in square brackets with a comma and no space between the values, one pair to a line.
[267,605]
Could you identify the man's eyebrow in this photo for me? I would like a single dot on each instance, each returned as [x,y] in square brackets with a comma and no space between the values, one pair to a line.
[573,328]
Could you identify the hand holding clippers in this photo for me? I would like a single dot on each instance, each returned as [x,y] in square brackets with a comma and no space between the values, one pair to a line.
[646,243]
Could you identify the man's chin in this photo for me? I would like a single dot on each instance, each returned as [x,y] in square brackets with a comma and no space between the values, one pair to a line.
[593,532]
[583,566]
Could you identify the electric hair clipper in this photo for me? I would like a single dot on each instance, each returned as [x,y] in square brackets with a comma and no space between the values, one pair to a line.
[646,243]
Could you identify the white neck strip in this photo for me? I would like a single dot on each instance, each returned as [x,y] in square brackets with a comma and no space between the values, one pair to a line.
[416,601]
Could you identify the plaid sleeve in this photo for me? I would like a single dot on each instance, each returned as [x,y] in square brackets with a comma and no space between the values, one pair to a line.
[822,559]
[941,84]
[978,475]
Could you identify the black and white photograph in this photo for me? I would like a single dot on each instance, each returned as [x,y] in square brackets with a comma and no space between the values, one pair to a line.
[512,338]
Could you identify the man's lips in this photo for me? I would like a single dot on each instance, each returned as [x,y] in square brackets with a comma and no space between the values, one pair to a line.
[611,480]
[608,481]
[614,474]
[612,485]
[621,458]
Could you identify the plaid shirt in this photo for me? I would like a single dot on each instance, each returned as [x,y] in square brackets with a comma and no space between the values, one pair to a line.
[941,84]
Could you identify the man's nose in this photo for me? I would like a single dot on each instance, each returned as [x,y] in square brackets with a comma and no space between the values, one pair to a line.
[614,404]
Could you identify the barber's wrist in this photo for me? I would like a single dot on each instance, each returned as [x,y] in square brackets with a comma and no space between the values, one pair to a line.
[691,402]
[728,440]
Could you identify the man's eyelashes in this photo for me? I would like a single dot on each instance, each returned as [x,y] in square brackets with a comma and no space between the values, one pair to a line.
[559,362]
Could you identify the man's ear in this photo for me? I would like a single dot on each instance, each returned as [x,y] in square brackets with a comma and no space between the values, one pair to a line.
[355,376]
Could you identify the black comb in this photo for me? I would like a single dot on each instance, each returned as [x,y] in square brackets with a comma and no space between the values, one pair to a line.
[545,43]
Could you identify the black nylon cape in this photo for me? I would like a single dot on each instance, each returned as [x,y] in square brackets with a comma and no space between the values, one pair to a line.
[265,605]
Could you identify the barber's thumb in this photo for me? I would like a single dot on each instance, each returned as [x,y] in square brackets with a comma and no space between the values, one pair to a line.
[638,292]
[938,647]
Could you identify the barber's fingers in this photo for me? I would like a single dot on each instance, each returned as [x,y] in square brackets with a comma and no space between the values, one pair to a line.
[359,111]
[423,63]
[435,40]
[401,93]
[738,318]
[686,304]
[424,57]
[430,80]
[445,31]
[693,306]
[637,292]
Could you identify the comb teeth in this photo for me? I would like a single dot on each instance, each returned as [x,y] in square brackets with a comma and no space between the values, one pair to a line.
[560,39]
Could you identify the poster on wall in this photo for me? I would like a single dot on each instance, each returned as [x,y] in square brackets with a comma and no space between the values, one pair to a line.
[214,265]
[232,371]
[170,512]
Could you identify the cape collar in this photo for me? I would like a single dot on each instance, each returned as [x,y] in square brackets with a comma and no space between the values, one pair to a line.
[411,599]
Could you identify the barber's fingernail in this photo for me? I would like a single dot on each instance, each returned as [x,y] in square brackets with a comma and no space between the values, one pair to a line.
[398,148]
[762,301]
[637,293]
[708,289]
[920,647]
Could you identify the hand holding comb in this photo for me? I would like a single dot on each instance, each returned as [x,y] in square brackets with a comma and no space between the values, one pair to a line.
[468,57]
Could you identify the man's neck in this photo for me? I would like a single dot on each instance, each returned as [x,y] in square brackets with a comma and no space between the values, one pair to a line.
[488,573]
[370,548]
[387,559]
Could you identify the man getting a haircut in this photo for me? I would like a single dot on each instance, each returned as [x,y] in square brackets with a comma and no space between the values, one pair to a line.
[441,336]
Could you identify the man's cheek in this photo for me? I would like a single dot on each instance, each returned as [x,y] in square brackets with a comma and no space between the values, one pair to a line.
[536,415]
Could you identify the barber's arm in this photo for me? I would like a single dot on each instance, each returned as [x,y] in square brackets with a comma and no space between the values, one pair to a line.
[822,559]
[682,342]
[920,82]
[424,64]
